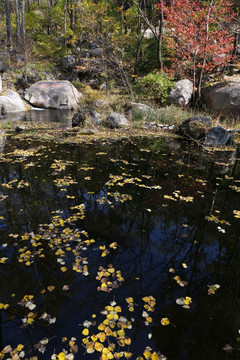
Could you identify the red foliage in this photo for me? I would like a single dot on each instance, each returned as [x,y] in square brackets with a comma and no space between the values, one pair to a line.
[198,35]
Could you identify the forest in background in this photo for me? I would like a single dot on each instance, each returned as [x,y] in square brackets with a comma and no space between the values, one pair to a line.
[156,41]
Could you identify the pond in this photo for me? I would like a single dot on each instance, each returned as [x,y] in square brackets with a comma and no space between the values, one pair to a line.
[118,249]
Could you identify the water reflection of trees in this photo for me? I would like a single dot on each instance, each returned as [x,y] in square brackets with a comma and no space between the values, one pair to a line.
[150,242]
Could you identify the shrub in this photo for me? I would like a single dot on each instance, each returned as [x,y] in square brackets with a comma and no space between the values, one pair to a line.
[154,85]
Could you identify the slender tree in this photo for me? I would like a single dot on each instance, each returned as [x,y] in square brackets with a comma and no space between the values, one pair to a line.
[8,27]
[18,31]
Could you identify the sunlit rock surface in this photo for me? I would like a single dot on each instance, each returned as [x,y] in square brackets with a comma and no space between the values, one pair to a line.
[12,102]
[53,95]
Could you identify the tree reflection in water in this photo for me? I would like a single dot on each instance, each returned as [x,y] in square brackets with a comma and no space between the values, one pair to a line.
[163,205]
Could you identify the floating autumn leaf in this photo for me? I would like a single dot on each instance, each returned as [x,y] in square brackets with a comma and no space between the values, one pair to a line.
[236,214]
[150,303]
[65,287]
[3,260]
[179,281]
[228,348]
[51,288]
[85,332]
[213,288]
[61,356]
[87,323]
[107,274]
[165,321]
[4,306]
[98,346]
[184,302]
[130,303]
[147,353]
[7,349]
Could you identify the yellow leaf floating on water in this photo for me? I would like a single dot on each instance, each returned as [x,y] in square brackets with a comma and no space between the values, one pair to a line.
[98,346]
[19,347]
[127,354]
[129,300]
[61,356]
[85,332]
[236,214]
[51,288]
[4,306]
[90,347]
[155,356]
[147,354]
[63,268]
[117,355]
[187,300]
[101,327]
[128,341]
[101,336]
[118,309]
[213,288]
[165,321]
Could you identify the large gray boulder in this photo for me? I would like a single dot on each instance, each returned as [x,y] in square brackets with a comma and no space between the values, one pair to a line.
[181,94]
[53,94]
[195,127]
[12,102]
[223,96]
[218,136]
[116,120]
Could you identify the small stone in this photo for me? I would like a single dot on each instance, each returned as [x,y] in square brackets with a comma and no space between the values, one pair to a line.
[20,128]
[87,131]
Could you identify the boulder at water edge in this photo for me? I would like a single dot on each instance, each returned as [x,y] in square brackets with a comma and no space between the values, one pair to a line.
[53,94]
[181,94]
[116,120]
[12,102]
[223,96]
[218,136]
[195,127]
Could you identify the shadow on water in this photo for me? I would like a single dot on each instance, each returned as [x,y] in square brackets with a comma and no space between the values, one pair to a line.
[158,213]
[63,117]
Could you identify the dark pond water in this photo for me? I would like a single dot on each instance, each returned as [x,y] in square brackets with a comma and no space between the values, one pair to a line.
[152,219]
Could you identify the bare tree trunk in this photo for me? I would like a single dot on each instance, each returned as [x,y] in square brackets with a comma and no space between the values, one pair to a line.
[8,27]
[50,17]
[65,25]
[18,32]
[23,26]
[204,58]
[160,36]
[75,17]
[139,36]
[236,38]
